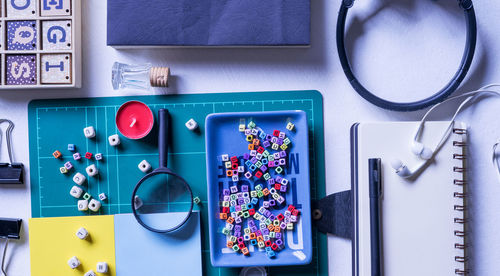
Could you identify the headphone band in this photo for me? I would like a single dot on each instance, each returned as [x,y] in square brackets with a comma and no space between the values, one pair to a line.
[470,47]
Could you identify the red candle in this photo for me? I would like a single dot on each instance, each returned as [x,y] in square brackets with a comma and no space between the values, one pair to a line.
[134,120]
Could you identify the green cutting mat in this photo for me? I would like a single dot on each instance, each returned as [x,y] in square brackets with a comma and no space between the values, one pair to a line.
[53,124]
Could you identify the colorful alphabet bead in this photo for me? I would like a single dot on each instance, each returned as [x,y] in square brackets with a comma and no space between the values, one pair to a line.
[102,196]
[98,156]
[77,156]
[57,154]
[86,196]
[68,165]
[240,203]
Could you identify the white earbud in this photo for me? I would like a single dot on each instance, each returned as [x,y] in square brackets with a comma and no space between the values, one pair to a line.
[422,151]
[427,153]
[401,169]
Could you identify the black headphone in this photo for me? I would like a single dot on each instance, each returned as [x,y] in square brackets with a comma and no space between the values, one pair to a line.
[470,18]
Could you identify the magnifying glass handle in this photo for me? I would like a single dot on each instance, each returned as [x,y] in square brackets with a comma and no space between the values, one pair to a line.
[163,136]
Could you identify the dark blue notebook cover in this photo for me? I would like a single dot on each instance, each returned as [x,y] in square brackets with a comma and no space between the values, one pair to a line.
[208,23]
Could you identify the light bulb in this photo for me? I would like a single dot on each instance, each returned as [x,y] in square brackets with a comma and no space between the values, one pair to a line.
[142,76]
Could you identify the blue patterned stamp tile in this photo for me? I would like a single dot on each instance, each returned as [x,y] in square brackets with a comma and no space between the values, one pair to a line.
[21,35]
[21,69]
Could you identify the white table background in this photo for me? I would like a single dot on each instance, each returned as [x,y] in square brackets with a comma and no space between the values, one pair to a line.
[405,50]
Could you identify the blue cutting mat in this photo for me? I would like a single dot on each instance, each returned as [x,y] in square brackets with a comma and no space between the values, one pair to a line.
[55,123]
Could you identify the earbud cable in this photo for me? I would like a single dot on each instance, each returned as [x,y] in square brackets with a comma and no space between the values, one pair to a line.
[495,159]
[470,97]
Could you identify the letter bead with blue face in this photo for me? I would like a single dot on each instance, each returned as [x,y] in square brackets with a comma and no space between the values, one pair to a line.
[77,156]
[98,156]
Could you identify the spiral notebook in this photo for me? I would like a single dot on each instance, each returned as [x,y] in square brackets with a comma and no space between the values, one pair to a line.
[423,219]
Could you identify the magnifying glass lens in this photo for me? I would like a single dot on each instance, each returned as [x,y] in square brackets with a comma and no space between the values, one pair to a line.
[163,201]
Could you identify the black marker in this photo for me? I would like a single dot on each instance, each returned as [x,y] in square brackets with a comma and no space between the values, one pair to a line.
[374,174]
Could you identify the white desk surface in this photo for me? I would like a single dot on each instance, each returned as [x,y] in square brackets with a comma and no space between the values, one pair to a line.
[405,50]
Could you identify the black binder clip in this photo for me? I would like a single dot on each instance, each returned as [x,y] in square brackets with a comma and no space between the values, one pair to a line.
[9,229]
[10,173]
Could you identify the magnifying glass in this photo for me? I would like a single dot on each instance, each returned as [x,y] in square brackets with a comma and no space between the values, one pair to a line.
[162,191]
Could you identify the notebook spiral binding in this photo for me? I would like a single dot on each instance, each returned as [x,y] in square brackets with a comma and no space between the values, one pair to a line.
[461,208]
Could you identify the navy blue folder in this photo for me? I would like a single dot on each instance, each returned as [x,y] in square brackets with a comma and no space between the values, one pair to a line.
[208,23]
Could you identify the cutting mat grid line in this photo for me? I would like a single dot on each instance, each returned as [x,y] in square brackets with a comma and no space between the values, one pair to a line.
[55,123]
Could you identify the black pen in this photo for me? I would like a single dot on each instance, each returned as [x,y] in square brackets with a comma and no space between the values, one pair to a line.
[374,170]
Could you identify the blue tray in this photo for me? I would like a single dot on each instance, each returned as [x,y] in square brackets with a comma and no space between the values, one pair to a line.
[222,137]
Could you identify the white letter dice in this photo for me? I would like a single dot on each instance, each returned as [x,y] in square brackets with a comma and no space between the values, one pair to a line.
[79,178]
[191,124]
[83,205]
[90,273]
[74,262]
[92,170]
[114,140]
[102,196]
[102,267]
[144,166]
[89,132]
[82,233]
[94,205]
[76,192]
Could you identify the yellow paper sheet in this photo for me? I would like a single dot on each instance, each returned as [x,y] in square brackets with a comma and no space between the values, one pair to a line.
[53,242]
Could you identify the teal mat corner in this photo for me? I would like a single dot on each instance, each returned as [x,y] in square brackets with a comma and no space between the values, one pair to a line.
[55,123]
